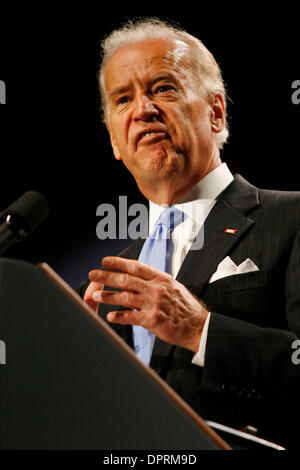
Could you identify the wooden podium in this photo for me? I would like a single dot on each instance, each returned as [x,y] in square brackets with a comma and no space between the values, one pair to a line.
[69,382]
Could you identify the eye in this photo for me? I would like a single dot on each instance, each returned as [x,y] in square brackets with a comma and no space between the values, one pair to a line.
[164,88]
[123,100]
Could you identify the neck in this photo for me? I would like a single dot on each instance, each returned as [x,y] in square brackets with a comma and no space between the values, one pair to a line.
[171,190]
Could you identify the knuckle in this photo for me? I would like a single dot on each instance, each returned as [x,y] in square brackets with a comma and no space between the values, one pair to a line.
[155,294]
[95,285]
[135,268]
[158,294]
[127,297]
[124,280]
[164,277]
[160,291]
[168,277]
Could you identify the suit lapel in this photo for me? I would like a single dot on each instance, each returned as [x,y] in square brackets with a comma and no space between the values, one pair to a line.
[228,213]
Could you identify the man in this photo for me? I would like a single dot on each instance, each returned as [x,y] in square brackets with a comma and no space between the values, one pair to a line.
[222,333]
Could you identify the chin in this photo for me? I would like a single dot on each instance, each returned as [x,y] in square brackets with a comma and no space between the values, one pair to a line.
[161,162]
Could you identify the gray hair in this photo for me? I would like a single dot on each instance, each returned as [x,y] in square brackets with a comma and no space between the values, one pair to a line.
[206,69]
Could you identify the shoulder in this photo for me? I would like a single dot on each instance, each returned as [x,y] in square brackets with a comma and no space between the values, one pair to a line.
[243,193]
[282,206]
[275,210]
[279,212]
[277,198]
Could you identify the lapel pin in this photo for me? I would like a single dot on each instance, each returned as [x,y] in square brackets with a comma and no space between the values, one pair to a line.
[230,230]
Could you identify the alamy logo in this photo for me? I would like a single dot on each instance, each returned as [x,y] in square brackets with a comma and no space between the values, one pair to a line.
[2,352]
[2,92]
[296,93]
[114,223]
[296,354]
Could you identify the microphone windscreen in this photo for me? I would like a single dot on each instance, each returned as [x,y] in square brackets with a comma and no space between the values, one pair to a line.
[30,210]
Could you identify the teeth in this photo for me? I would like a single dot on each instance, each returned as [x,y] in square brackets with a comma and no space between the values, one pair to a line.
[150,133]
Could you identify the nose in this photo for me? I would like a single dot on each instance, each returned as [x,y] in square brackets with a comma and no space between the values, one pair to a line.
[144,109]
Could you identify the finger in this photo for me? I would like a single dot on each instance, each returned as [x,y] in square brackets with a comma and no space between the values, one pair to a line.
[91,303]
[125,317]
[122,280]
[131,266]
[124,298]
[88,296]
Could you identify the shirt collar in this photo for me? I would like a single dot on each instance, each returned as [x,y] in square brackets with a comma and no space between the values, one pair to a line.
[205,192]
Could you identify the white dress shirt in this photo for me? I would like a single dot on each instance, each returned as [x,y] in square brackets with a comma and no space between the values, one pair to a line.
[196,205]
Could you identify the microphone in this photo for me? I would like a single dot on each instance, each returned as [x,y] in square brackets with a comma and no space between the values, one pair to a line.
[21,218]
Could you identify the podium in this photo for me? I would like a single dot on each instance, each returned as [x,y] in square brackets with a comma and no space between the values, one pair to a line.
[68,382]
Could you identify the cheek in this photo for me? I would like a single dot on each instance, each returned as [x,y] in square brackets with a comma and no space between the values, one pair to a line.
[184,125]
[179,123]
[193,130]
[119,132]
[199,118]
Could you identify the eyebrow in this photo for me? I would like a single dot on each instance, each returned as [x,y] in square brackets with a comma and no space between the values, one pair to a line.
[164,76]
[119,91]
[125,88]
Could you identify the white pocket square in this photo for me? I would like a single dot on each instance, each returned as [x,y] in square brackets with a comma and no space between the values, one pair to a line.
[227,267]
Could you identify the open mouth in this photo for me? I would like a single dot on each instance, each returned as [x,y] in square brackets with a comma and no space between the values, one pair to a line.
[150,137]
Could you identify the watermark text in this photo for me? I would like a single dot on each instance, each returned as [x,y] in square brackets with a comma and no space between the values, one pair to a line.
[2,92]
[2,352]
[296,94]
[296,354]
[132,223]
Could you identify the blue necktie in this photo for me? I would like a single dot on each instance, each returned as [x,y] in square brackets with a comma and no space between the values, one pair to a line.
[157,251]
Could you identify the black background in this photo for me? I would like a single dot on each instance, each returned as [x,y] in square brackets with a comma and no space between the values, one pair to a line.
[52,139]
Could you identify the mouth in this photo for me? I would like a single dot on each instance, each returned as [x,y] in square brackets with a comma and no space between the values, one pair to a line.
[151,137]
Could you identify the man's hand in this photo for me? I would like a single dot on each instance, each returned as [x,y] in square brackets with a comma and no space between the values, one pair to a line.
[153,298]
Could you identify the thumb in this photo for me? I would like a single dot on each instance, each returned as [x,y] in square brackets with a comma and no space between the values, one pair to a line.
[88,296]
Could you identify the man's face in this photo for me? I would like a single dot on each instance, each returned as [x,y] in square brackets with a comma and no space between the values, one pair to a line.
[159,124]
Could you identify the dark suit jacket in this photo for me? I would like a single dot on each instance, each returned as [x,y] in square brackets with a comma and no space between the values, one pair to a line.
[248,377]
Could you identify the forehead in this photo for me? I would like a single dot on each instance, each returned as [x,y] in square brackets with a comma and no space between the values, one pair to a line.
[144,58]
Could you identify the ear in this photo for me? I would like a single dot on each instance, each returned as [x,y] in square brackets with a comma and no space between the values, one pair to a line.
[114,144]
[218,113]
